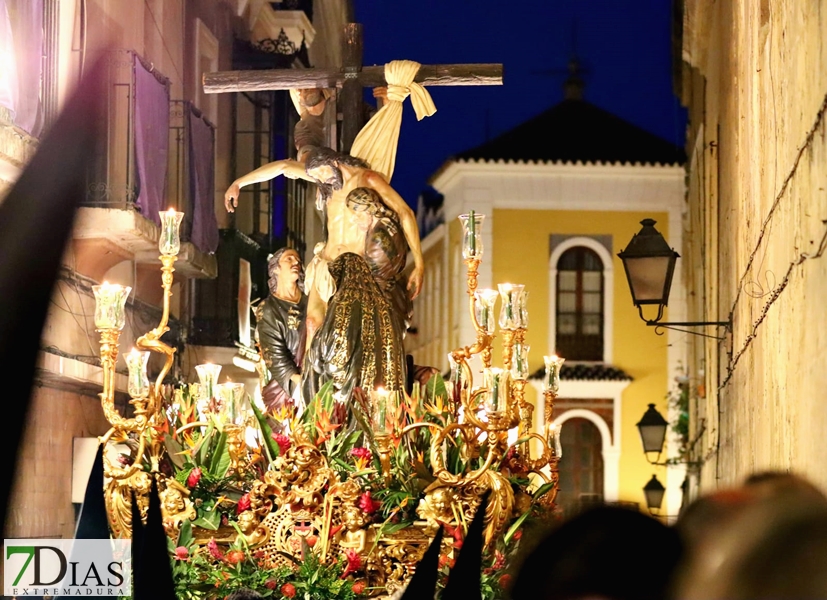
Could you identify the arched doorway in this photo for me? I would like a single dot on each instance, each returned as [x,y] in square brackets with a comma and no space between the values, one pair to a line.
[581,467]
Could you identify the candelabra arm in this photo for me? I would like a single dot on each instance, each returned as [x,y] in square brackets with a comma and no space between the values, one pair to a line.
[443,475]
[152,340]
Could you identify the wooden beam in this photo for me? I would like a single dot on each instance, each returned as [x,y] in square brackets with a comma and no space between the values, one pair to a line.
[350,99]
[286,79]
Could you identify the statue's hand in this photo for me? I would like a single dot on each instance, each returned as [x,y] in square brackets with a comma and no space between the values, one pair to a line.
[231,197]
[415,281]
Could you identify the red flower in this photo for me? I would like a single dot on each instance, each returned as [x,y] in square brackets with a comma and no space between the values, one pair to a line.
[235,556]
[368,504]
[499,560]
[354,563]
[517,535]
[361,453]
[505,581]
[311,540]
[270,584]
[214,550]
[458,545]
[243,504]
[225,520]
[444,560]
[358,587]
[283,441]
[182,553]
[288,589]
[194,477]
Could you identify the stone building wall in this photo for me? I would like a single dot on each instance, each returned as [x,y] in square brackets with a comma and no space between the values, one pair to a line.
[41,502]
[754,78]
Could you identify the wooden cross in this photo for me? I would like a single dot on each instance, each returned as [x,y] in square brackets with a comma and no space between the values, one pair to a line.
[350,79]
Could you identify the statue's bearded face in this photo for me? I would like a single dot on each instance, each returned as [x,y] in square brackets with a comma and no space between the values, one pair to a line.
[328,174]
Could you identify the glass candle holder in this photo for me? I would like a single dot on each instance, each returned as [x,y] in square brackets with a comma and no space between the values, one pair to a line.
[208,377]
[456,378]
[169,242]
[110,305]
[138,382]
[522,309]
[553,439]
[551,381]
[519,367]
[472,235]
[484,301]
[496,382]
[233,402]
[510,310]
[382,411]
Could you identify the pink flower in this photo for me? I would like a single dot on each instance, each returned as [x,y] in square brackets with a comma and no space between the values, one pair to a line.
[182,553]
[243,504]
[194,478]
[214,550]
[288,589]
[368,504]
[361,453]
[354,563]
[283,441]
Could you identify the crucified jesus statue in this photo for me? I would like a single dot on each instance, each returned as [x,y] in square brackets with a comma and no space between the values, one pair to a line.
[359,303]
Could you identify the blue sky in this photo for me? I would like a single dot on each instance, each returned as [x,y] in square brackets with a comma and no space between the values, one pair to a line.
[624,48]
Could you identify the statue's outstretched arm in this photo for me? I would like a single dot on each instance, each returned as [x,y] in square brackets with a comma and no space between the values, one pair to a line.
[289,168]
[407,219]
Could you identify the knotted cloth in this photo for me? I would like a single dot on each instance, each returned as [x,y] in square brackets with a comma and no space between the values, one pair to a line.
[377,141]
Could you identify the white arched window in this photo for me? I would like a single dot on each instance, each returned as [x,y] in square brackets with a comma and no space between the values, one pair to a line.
[581,282]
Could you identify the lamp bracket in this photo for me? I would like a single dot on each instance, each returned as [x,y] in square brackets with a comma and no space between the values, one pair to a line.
[657,324]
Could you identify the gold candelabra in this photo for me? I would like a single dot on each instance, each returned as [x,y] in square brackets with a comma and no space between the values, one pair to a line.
[501,398]
[110,318]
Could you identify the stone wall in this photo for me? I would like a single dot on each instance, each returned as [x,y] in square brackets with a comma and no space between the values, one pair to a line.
[41,500]
[755,82]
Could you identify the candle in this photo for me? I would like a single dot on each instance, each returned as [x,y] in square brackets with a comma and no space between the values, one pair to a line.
[496,400]
[472,233]
[380,401]
[553,439]
[208,375]
[138,382]
[110,305]
[520,368]
[169,242]
[509,314]
[472,242]
[484,301]
[552,378]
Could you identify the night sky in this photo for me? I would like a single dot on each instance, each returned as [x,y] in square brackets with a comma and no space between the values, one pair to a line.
[624,49]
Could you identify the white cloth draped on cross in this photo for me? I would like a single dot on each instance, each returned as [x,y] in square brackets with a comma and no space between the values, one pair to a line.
[377,141]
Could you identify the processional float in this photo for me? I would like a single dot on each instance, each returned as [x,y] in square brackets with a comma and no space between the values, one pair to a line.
[231,484]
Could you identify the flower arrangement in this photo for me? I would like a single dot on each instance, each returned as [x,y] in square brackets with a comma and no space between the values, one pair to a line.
[198,457]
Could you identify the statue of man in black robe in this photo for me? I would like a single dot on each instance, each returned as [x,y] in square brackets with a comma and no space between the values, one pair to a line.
[281,329]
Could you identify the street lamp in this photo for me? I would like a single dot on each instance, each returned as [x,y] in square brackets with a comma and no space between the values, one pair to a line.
[649,263]
[654,492]
[652,427]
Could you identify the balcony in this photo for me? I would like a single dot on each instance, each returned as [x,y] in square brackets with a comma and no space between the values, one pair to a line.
[155,154]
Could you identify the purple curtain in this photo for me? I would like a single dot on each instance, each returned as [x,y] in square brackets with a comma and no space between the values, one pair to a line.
[202,183]
[21,41]
[151,142]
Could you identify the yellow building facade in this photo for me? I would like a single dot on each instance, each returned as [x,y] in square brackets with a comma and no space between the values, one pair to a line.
[541,218]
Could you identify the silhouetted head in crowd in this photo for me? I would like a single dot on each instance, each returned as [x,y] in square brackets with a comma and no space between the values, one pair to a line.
[766,539]
[606,553]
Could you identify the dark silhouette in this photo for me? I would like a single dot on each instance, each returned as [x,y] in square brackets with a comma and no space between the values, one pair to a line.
[607,552]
